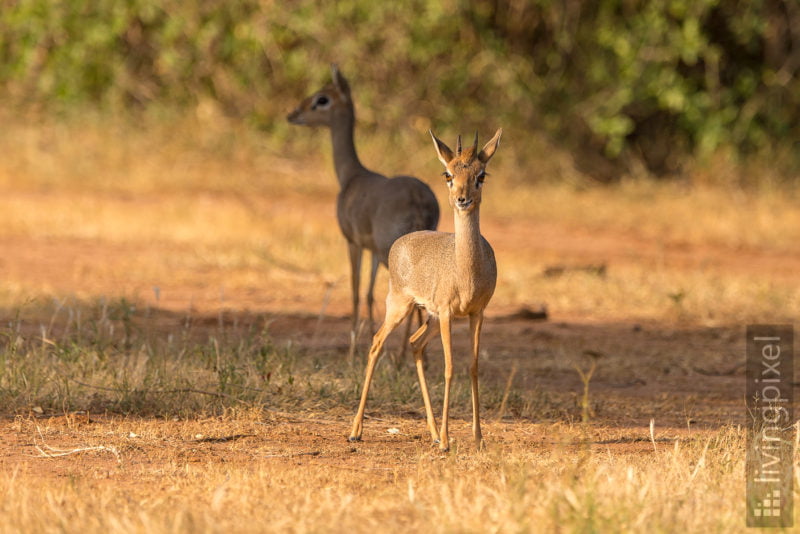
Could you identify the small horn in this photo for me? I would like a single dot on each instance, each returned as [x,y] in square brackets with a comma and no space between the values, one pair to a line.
[458,146]
[475,143]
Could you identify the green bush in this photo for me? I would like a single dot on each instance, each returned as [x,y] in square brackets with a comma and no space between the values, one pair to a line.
[647,79]
[663,79]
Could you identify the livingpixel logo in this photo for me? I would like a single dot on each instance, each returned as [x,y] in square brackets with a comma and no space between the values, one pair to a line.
[770,432]
[769,507]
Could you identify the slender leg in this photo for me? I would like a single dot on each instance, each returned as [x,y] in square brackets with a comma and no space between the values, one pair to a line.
[444,324]
[402,356]
[372,275]
[408,333]
[420,322]
[355,279]
[396,310]
[418,343]
[475,323]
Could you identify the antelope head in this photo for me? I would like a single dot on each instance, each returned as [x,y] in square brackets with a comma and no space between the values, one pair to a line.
[465,170]
[319,108]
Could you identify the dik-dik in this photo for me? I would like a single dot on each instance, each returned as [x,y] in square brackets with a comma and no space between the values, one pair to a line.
[450,275]
[373,210]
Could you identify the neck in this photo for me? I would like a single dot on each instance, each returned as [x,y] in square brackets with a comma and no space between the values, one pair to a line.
[468,238]
[345,159]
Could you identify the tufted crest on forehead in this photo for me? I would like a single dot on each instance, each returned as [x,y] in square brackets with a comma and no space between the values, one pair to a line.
[465,156]
[464,161]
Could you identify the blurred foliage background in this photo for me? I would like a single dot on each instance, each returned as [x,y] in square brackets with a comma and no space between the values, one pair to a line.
[649,83]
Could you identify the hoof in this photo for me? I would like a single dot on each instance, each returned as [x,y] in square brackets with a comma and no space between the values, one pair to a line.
[353,439]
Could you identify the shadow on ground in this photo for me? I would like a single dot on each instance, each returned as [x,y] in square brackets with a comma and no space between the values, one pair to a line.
[680,376]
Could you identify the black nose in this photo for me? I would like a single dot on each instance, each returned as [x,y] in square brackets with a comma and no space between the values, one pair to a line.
[461,200]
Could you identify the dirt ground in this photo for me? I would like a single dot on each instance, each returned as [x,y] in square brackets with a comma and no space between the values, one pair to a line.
[687,378]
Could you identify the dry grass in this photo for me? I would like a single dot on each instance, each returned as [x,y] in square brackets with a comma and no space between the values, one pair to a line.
[212,197]
[534,478]
[155,271]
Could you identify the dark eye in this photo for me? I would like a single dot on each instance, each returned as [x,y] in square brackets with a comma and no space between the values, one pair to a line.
[479,178]
[321,100]
[448,177]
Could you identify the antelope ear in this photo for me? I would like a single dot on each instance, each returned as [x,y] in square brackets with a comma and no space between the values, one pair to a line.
[442,150]
[339,81]
[489,148]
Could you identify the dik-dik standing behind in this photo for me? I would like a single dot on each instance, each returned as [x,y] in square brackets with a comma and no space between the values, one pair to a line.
[451,275]
[373,211]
